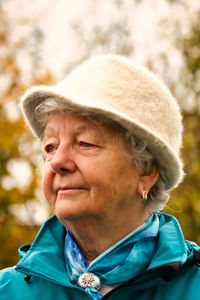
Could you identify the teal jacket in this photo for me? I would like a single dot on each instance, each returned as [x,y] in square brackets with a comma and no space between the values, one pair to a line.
[41,273]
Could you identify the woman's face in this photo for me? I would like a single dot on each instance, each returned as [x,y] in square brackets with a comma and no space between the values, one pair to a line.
[87,172]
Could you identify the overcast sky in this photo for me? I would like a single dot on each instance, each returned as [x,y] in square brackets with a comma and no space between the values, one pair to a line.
[151,24]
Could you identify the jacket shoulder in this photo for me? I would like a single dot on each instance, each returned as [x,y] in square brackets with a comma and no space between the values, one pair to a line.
[186,285]
[9,279]
[7,274]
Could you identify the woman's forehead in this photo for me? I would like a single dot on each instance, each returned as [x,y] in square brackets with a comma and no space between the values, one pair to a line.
[70,119]
[75,121]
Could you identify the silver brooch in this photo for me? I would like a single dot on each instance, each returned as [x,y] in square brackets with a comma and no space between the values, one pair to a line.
[89,280]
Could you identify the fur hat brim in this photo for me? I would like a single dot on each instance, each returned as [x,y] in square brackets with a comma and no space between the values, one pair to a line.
[165,157]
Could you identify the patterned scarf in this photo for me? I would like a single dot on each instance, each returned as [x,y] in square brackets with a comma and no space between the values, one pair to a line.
[120,263]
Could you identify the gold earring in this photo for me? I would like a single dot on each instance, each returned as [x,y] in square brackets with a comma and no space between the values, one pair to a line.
[144,196]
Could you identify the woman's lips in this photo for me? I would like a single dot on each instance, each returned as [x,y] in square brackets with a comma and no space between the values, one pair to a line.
[70,190]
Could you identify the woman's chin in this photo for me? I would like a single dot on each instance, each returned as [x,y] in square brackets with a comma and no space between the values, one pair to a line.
[68,211]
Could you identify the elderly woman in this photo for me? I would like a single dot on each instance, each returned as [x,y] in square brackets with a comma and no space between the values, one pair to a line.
[110,135]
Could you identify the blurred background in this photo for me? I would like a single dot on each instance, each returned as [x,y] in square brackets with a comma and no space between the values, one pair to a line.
[41,41]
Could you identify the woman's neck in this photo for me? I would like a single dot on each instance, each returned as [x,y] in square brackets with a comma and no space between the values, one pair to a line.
[94,237]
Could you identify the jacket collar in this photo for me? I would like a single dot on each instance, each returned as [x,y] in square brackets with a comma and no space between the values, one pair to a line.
[45,257]
[171,245]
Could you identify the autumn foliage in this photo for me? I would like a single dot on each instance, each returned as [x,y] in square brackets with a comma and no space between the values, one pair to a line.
[17,144]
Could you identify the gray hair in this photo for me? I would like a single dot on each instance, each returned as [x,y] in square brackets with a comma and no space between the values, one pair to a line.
[137,147]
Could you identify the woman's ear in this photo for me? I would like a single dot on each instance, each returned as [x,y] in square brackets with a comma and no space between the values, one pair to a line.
[147,181]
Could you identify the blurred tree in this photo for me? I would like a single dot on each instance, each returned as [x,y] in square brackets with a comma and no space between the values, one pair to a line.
[186,198]
[16,146]
[115,39]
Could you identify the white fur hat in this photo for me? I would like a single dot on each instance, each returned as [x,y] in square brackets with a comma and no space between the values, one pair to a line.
[117,88]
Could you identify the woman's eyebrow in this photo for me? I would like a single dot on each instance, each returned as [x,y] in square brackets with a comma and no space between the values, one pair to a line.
[83,127]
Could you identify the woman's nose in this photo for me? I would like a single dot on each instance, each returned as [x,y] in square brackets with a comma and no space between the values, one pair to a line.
[62,161]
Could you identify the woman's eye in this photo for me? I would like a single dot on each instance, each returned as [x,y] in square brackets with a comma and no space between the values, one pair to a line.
[49,148]
[85,144]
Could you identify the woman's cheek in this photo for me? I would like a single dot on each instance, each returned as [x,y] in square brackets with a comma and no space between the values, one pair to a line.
[47,184]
